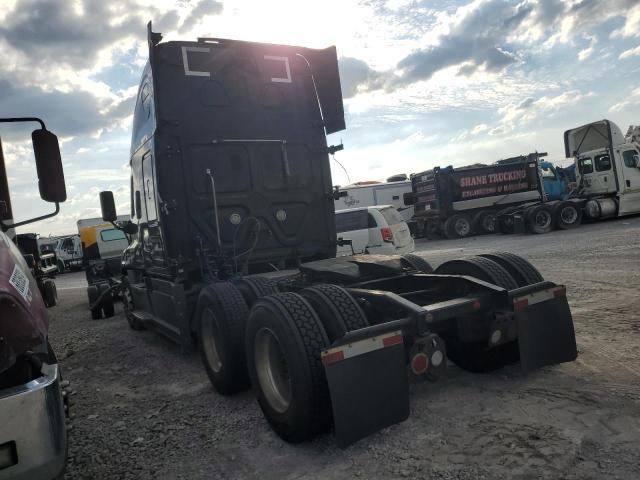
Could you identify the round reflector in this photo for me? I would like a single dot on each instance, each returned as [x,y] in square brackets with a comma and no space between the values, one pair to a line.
[419,363]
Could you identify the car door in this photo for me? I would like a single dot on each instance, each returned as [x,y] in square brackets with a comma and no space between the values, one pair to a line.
[630,181]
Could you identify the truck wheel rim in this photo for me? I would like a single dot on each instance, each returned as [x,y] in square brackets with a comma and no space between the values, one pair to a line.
[208,332]
[462,227]
[489,223]
[543,219]
[569,215]
[272,370]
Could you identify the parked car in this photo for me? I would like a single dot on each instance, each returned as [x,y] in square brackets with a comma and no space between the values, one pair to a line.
[379,229]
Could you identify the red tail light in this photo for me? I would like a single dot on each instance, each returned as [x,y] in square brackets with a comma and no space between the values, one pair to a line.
[387,234]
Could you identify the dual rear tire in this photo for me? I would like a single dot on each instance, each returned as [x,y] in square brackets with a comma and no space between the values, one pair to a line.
[505,270]
[276,348]
[462,225]
[544,218]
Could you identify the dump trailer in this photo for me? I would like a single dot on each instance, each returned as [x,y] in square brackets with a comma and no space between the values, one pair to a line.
[482,199]
[234,242]
[33,401]
[607,182]
[458,202]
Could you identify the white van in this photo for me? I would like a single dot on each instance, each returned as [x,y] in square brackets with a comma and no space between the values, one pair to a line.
[379,230]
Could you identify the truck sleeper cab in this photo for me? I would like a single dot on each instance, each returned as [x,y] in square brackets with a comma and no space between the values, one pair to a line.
[236,240]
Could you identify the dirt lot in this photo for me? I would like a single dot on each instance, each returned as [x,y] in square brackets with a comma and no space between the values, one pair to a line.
[143,410]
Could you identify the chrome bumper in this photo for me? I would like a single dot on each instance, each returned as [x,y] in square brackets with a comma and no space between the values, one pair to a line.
[32,428]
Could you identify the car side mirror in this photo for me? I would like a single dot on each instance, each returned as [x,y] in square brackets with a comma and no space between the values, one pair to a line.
[49,166]
[637,160]
[108,206]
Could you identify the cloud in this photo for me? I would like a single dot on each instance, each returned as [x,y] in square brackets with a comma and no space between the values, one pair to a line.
[515,115]
[66,113]
[356,75]
[582,16]
[586,52]
[59,32]
[54,31]
[483,127]
[631,27]
[476,39]
[631,100]
[488,36]
[632,52]
[203,9]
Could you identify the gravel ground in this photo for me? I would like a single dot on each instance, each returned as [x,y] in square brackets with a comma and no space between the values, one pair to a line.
[143,410]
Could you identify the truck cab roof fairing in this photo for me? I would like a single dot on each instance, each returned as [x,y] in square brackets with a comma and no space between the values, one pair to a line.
[592,136]
[322,64]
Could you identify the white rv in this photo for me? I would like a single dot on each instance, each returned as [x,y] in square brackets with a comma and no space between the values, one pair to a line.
[387,193]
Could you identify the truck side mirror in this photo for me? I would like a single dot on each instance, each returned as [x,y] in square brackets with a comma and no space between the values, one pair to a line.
[108,206]
[637,160]
[338,194]
[49,166]
[130,228]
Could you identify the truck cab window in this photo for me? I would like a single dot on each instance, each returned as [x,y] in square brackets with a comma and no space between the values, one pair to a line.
[603,162]
[548,173]
[585,165]
[630,158]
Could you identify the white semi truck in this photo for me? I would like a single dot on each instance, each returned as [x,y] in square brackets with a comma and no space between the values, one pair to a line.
[607,168]
[607,180]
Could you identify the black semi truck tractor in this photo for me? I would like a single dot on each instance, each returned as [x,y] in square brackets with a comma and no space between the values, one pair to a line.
[234,241]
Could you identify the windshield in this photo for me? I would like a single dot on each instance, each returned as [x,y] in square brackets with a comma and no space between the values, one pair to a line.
[112,234]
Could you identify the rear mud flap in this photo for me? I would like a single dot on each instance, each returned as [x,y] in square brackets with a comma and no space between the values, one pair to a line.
[369,386]
[545,330]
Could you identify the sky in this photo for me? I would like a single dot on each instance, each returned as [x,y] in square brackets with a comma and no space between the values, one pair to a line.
[425,82]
